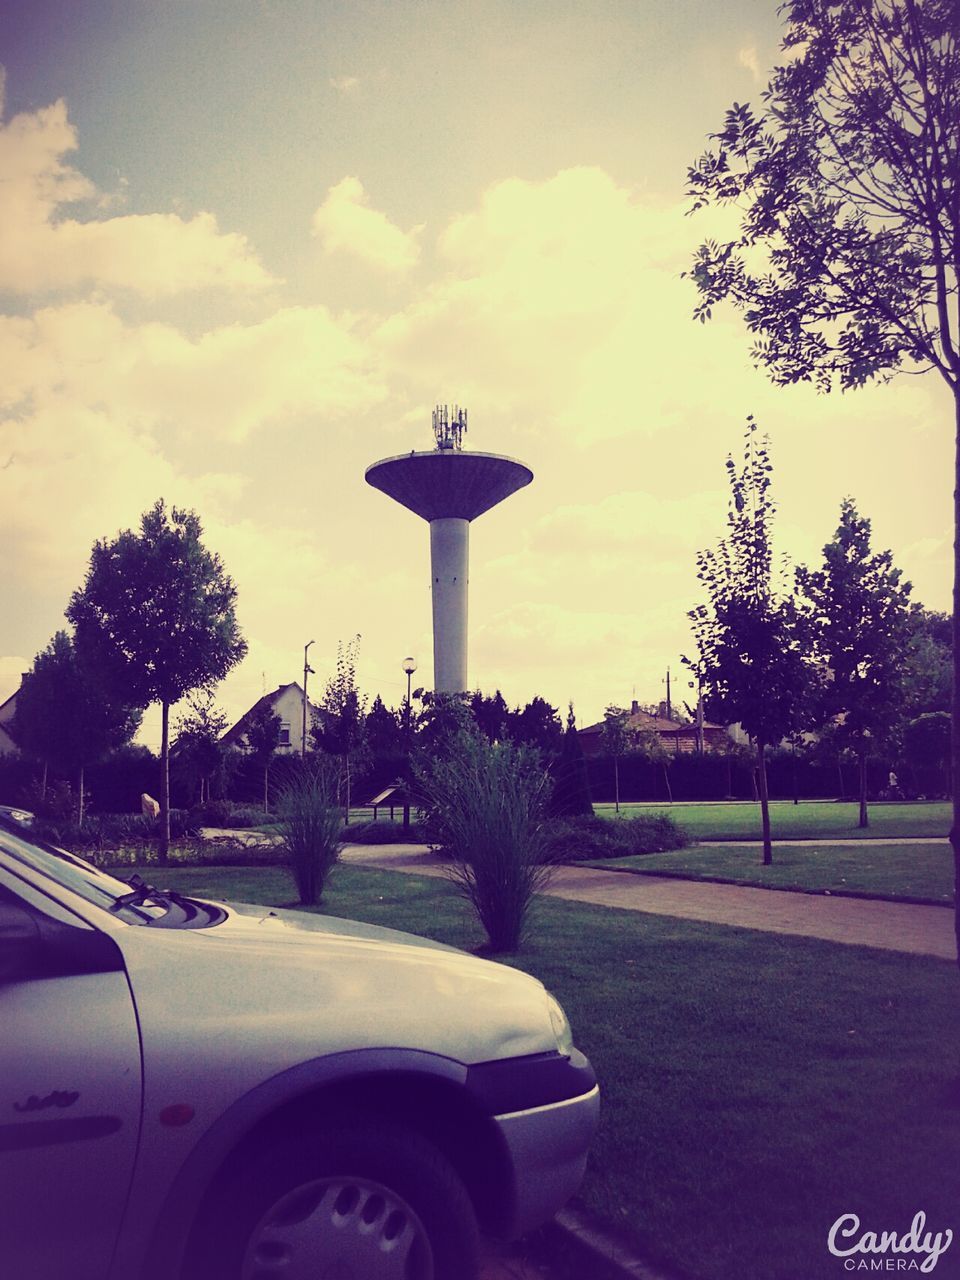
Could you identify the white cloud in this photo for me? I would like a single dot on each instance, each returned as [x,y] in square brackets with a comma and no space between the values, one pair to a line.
[42,249]
[346,86]
[345,223]
[747,58]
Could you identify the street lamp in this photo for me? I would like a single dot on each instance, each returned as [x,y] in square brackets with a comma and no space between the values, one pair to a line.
[307,670]
[409,666]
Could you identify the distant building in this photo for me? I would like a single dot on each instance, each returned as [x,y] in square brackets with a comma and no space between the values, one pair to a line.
[8,711]
[679,739]
[286,701]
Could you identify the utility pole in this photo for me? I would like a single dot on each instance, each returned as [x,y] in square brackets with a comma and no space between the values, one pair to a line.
[409,667]
[307,670]
[669,704]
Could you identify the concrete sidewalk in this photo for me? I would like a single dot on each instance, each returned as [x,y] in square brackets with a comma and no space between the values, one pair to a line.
[887,926]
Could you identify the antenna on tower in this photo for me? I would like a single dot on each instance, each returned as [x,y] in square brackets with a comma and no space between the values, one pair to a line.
[449,428]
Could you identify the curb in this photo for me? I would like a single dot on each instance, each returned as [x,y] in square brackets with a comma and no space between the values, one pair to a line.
[581,1240]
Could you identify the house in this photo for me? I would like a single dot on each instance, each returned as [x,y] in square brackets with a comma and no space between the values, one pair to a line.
[286,701]
[679,739]
[8,711]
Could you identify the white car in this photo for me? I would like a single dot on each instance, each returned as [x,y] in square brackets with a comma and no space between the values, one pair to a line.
[194,1090]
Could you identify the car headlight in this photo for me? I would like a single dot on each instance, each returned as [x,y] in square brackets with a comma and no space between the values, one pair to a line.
[561,1026]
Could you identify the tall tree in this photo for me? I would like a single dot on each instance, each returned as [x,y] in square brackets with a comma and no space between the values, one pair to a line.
[618,740]
[196,751]
[156,615]
[751,659]
[491,714]
[537,725]
[339,729]
[858,609]
[65,715]
[849,178]
[927,663]
[382,729]
[262,732]
[570,797]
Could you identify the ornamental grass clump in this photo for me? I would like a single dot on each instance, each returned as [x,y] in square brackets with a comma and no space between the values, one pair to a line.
[309,825]
[486,804]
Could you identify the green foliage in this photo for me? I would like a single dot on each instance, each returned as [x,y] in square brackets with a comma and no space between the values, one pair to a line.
[339,727]
[582,839]
[848,178]
[926,746]
[262,732]
[66,715]
[927,670]
[570,796]
[486,804]
[385,832]
[383,730]
[155,616]
[156,612]
[197,753]
[309,826]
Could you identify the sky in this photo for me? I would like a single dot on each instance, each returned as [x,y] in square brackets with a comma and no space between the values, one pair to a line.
[245,248]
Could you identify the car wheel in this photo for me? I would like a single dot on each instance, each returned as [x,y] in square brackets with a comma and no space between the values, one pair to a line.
[358,1202]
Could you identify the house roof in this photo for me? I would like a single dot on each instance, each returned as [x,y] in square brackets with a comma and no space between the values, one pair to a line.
[235,733]
[658,724]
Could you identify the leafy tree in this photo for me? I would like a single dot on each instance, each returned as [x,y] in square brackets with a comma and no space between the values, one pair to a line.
[66,717]
[927,671]
[537,725]
[849,178]
[262,732]
[618,740]
[571,784]
[491,714]
[156,615]
[926,745]
[648,744]
[858,609]
[443,717]
[749,635]
[339,728]
[197,751]
[382,729]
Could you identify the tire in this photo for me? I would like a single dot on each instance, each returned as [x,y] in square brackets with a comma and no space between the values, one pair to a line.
[350,1202]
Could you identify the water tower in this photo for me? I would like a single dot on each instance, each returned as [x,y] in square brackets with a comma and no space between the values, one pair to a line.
[449,488]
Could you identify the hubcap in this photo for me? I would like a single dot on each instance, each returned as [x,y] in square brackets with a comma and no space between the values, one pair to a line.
[339,1229]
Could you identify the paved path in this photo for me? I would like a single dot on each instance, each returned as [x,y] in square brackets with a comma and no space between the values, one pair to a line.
[889,926]
[868,842]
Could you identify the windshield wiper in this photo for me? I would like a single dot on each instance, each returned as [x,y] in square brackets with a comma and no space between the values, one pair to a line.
[142,894]
[193,913]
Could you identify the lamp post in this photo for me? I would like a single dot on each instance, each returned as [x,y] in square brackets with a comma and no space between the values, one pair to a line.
[307,670]
[409,666]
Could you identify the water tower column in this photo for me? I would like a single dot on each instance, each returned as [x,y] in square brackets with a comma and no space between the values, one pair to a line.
[449,556]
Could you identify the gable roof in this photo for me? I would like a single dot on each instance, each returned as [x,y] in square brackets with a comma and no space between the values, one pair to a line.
[658,724]
[234,735]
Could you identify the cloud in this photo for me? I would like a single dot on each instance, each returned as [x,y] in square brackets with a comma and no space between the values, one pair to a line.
[346,86]
[747,58]
[228,383]
[42,249]
[345,223]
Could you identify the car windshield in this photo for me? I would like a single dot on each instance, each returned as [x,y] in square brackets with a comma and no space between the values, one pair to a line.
[143,906]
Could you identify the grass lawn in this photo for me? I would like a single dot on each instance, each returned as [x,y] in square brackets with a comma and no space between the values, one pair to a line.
[807,820]
[756,1087]
[922,872]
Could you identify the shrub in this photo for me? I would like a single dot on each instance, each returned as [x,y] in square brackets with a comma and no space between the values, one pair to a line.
[580,839]
[485,804]
[227,815]
[384,833]
[103,832]
[309,826]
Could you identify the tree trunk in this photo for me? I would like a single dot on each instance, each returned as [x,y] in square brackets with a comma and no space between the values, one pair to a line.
[163,848]
[955,706]
[80,799]
[764,804]
[616,784]
[346,811]
[864,819]
[43,782]
[266,786]
[666,778]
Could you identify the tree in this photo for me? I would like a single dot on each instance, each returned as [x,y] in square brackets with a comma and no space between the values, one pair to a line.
[926,744]
[537,725]
[66,717]
[618,740]
[927,663]
[749,635]
[340,724]
[197,751]
[491,714]
[156,616]
[262,731]
[382,730]
[850,179]
[858,608]
[571,785]
[648,744]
